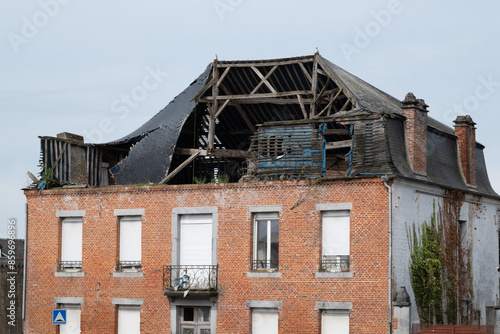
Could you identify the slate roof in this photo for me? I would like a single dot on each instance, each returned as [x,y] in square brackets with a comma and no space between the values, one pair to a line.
[153,143]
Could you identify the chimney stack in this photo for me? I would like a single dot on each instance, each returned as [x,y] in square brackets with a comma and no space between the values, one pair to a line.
[415,111]
[466,133]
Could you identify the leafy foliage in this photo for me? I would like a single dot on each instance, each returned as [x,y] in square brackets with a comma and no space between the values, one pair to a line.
[425,270]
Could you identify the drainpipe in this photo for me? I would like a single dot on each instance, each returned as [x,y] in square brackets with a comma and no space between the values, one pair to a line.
[24,269]
[386,178]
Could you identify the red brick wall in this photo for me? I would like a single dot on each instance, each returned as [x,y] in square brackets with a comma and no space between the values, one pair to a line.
[300,247]
[416,138]
[467,152]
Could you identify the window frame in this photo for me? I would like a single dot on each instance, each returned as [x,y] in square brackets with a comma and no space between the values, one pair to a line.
[65,218]
[128,216]
[342,261]
[265,211]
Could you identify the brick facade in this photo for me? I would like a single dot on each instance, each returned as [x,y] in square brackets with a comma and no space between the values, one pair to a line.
[415,111]
[298,289]
[466,140]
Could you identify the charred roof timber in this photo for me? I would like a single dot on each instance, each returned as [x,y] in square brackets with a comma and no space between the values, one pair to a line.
[277,119]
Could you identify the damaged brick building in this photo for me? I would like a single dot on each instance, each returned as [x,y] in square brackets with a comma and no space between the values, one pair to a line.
[270,196]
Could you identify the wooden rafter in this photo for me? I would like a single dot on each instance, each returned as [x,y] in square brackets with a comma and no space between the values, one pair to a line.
[314,87]
[214,107]
[264,79]
[180,167]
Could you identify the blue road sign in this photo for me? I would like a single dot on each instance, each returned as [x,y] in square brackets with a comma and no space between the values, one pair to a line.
[59,317]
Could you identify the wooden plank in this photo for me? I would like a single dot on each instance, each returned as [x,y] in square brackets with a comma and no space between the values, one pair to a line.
[233,154]
[179,168]
[250,125]
[265,62]
[308,76]
[340,132]
[275,101]
[221,153]
[221,108]
[255,96]
[338,144]
[264,79]
[223,76]
[203,90]
[214,108]
[314,87]
[302,106]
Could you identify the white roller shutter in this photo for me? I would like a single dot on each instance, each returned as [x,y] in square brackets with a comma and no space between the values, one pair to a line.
[336,233]
[129,319]
[71,248]
[264,321]
[130,238]
[196,240]
[73,313]
[335,322]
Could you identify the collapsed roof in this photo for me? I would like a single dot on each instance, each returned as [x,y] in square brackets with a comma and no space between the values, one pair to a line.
[276,119]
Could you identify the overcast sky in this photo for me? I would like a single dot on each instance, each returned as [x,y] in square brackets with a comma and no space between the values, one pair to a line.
[75,66]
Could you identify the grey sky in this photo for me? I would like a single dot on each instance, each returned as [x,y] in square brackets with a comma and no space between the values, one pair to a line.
[102,68]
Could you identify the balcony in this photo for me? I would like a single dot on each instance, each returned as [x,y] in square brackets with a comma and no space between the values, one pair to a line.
[69,265]
[128,266]
[190,281]
[335,263]
[265,265]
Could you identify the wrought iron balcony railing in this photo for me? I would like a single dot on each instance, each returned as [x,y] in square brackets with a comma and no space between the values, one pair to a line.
[65,265]
[335,263]
[265,265]
[131,265]
[181,278]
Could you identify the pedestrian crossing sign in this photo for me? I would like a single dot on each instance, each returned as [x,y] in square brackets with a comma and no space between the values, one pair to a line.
[58,317]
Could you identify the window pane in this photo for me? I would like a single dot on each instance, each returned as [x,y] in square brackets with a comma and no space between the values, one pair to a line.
[130,239]
[334,322]
[264,321]
[205,314]
[71,248]
[188,314]
[261,242]
[274,243]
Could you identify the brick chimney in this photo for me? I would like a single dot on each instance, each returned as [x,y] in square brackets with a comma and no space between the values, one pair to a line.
[415,111]
[466,133]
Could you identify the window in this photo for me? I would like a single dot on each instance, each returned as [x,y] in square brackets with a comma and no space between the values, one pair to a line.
[130,243]
[71,243]
[129,319]
[335,322]
[264,321]
[266,241]
[335,241]
[73,313]
[194,320]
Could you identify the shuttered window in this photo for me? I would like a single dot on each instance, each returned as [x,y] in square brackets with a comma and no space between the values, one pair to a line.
[71,242]
[129,319]
[334,322]
[265,321]
[73,314]
[130,241]
[336,240]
